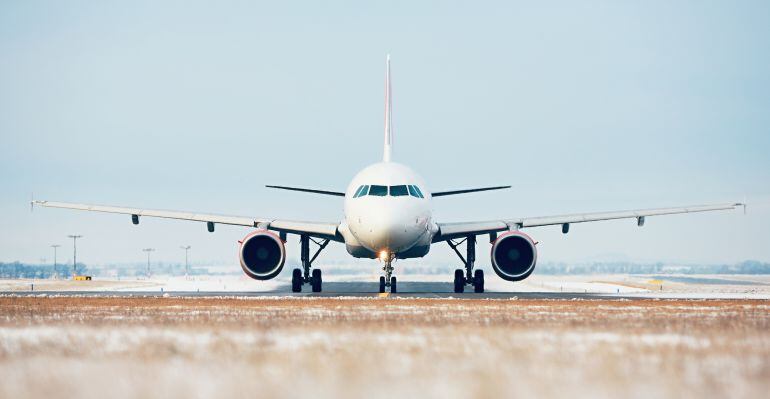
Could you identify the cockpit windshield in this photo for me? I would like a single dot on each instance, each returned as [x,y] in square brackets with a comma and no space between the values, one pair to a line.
[398,191]
[378,191]
[401,190]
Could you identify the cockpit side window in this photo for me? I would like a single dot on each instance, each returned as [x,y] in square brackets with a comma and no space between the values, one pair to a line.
[378,191]
[414,191]
[398,191]
[361,191]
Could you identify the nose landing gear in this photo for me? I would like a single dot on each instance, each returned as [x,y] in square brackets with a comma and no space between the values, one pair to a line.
[388,280]
[300,277]
[468,277]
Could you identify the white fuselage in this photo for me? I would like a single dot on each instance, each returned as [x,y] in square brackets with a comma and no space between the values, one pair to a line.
[390,224]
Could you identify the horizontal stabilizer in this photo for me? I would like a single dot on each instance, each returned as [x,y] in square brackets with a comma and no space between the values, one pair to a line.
[309,190]
[469,190]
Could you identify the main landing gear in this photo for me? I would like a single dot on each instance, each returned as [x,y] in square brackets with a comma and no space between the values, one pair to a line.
[300,277]
[388,280]
[469,277]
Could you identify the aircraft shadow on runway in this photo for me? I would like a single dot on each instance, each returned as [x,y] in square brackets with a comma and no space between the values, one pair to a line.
[427,289]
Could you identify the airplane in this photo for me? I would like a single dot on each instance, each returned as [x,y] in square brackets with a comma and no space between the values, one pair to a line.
[387,216]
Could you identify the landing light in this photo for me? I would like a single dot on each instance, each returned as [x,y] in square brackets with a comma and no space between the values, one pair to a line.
[384,255]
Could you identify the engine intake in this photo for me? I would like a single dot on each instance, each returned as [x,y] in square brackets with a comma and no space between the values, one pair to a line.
[514,256]
[262,255]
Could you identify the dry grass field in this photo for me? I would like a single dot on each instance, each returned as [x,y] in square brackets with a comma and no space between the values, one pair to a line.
[123,347]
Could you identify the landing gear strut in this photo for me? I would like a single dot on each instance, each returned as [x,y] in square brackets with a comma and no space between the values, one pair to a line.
[300,277]
[468,277]
[388,280]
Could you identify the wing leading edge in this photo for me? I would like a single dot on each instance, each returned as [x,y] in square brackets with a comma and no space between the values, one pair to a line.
[467,190]
[308,190]
[315,229]
[454,230]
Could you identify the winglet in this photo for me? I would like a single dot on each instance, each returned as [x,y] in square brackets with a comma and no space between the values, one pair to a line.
[31,202]
[388,114]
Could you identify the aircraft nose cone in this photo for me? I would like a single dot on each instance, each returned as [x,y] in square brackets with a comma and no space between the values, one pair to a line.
[389,232]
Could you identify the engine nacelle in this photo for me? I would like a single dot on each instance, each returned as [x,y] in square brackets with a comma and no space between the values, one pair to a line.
[514,256]
[262,255]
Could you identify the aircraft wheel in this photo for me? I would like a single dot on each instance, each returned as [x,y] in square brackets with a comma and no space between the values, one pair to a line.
[296,280]
[315,280]
[382,284]
[478,281]
[459,281]
[393,285]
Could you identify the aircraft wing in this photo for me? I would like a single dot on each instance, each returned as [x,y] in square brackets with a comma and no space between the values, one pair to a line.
[456,230]
[315,229]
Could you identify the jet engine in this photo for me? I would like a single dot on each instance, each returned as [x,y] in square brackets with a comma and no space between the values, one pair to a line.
[514,256]
[262,255]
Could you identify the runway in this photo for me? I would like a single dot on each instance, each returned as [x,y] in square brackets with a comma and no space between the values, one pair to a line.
[340,289]
[333,294]
[414,295]
[564,288]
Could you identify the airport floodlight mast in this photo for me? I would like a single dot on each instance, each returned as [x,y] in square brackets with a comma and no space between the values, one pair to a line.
[74,238]
[55,246]
[186,263]
[148,250]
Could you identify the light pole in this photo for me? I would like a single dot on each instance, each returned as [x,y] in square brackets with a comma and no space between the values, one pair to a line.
[186,267]
[148,250]
[55,246]
[74,238]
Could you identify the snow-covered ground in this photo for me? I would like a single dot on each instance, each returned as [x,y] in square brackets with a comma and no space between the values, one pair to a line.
[320,347]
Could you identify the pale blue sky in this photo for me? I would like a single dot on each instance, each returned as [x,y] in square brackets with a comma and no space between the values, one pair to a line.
[581,106]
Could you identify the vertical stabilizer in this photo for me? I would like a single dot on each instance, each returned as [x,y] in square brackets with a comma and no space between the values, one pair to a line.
[388,114]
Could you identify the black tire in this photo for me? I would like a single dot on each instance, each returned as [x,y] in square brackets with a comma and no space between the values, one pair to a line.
[382,284]
[478,281]
[315,280]
[296,280]
[393,285]
[459,281]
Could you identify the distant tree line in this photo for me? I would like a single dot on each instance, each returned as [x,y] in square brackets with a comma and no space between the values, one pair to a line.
[26,270]
[746,267]
[23,270]
[43,271]
[140,270]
